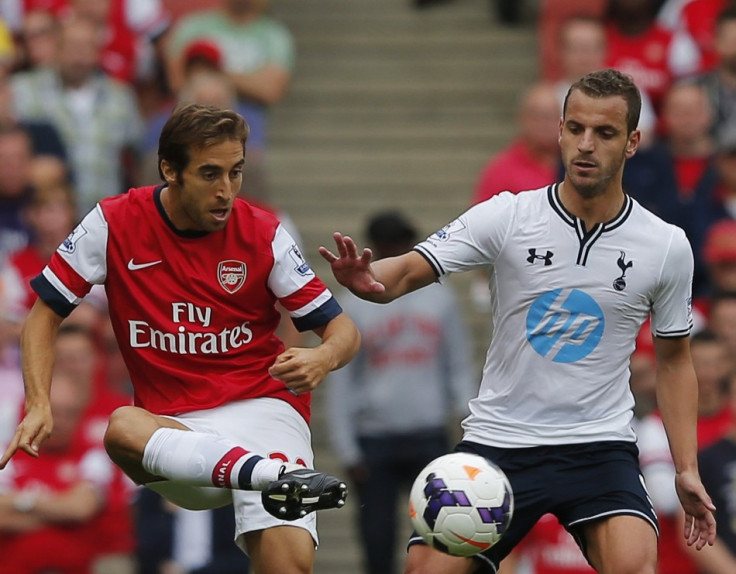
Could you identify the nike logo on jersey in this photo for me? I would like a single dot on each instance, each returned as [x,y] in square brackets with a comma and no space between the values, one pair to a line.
[135,266]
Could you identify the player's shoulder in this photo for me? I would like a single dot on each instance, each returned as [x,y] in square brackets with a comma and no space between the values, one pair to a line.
[134,199]
[652,224]
[526,198]
[254,219]
[261,213]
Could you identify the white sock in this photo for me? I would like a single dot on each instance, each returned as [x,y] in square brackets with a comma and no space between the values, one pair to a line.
[202,459]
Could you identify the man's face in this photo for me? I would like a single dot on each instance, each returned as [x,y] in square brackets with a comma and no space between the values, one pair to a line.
[15,164]
[76,357]
[202,199]
[52,217]
[594,140]
[539,119]
[583,48]
[687,114]
[79,52]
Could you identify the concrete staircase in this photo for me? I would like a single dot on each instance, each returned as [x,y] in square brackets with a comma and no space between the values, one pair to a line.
[390,107]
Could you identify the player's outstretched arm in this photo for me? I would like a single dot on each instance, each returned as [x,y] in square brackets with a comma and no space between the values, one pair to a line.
[37,344]
[677,399]
[380,281]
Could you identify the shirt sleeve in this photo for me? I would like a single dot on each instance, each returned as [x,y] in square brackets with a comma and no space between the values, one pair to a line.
[308,301]
[78,263]
[473,240]
[672,313]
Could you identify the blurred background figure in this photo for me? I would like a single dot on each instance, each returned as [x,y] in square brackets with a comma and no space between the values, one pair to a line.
[79,356]
[720,81]
[11,377]
[50,216]
[532,159]
[49,506]
[16,157]
[38,40]
[719,254]
[714,199]
[640,46]
[581,49]
[552,16]
[391,407]
[718,467]
[98,117]
[256,52]
[172,540]
[712,363]
[722,321]
[672,175]
[547,549]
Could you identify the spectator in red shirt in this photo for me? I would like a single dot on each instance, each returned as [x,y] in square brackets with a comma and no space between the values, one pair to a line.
[78,356]
[712,365]
[699,18]
[49,505]
[532,159]
[639,46]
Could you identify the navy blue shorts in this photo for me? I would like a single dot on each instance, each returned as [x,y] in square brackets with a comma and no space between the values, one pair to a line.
[578,483]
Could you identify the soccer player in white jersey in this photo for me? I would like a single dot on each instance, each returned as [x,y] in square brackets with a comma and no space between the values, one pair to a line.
[575,269]
[192,275]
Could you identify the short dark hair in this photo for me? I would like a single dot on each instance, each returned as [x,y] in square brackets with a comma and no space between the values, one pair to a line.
[607,83]
[196,126]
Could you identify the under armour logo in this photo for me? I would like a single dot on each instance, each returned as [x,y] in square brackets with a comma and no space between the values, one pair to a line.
[547,258]
[619,284]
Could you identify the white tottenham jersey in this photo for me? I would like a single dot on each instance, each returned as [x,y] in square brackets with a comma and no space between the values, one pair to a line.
[567,304]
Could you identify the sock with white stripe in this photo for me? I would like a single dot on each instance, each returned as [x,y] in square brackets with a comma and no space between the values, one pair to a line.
[202,459]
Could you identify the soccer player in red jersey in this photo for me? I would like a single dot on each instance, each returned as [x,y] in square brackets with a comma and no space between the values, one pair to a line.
[192,275]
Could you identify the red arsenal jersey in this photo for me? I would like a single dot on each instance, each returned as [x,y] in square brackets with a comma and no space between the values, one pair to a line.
[194,313]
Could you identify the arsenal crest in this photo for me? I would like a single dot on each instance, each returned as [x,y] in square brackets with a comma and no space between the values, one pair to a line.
[231,275]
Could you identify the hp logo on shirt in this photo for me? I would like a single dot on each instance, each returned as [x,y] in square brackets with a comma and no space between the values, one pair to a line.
[564,325]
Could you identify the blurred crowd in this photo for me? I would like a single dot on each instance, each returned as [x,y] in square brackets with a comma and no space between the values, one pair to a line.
[85,88]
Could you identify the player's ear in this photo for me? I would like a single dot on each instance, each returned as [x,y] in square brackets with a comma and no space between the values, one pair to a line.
[633,144]
[167,171]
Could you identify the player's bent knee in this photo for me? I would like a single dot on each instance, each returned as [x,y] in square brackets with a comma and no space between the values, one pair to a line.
[127,431]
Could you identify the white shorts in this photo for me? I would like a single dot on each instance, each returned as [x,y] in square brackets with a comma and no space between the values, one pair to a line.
[266,426]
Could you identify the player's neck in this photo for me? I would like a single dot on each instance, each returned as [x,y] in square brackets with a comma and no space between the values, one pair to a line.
[592,210]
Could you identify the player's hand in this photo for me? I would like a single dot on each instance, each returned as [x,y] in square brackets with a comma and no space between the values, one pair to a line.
[31,432]
[700,524]
[300,369]
[350,269]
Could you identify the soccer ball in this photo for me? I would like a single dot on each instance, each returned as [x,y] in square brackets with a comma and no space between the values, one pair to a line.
[461,504]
